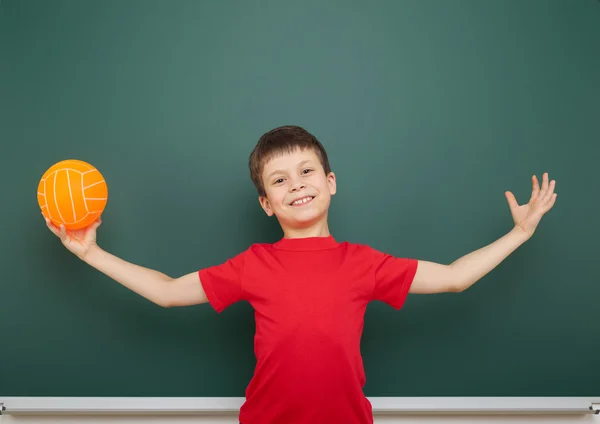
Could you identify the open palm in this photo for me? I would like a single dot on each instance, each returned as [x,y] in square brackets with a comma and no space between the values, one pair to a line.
[528,216]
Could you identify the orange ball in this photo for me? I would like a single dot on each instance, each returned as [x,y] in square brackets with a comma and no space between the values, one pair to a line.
[73,193]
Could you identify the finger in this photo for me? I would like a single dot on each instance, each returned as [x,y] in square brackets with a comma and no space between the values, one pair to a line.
[63,232]
[550,203]
[535,187]
[545,182]
[512,202]
[51,226]
[550,191]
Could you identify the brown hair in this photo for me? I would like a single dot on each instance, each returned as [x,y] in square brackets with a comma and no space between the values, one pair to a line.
[280,140]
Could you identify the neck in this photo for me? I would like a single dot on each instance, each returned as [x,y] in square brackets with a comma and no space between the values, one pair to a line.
[320,229]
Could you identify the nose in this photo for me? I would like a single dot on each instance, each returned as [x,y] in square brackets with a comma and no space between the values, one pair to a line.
[297,186]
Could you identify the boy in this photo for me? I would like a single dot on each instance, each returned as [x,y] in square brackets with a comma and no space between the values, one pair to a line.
[308,290]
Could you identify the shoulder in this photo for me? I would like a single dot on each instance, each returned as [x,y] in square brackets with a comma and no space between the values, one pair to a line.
[361,251]
[357,247]
[258,248]
[258,251]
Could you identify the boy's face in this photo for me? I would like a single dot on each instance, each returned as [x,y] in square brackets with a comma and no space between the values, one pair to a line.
[292,177]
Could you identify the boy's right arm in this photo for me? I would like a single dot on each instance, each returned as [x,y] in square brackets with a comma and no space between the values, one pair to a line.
[153,285]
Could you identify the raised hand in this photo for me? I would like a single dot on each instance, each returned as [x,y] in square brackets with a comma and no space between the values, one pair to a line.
[528,216]
[79,241]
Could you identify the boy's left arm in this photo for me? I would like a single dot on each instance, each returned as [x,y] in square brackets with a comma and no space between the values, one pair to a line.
[432,277]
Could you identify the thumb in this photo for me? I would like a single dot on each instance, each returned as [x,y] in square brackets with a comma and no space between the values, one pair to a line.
[97,223]
[90,233]
[512,202]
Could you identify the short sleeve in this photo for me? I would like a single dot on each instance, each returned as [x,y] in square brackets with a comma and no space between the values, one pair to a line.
[223,283]
[393,278]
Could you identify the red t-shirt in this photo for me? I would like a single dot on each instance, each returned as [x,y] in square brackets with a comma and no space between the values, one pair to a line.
[309,297]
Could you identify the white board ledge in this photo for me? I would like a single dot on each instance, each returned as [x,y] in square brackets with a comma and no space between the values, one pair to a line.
[226,405]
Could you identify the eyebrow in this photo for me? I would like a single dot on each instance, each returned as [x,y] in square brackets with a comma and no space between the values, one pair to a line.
[277,171]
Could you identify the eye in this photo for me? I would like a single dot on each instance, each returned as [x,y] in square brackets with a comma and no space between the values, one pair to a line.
[306,170]
[278,180]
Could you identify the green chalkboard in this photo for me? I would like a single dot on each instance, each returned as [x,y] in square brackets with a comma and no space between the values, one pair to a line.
[429,111]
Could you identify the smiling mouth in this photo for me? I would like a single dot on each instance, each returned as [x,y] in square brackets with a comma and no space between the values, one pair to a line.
[302,202]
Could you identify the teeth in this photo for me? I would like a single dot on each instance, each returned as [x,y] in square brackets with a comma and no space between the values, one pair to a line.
[304,200]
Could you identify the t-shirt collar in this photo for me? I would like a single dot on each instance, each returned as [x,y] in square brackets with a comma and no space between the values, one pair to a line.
[306,243]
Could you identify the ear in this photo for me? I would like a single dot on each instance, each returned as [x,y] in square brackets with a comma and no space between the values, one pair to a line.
[331,183]
[264,203]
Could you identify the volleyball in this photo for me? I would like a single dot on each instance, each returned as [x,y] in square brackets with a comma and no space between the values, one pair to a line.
[73,193]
